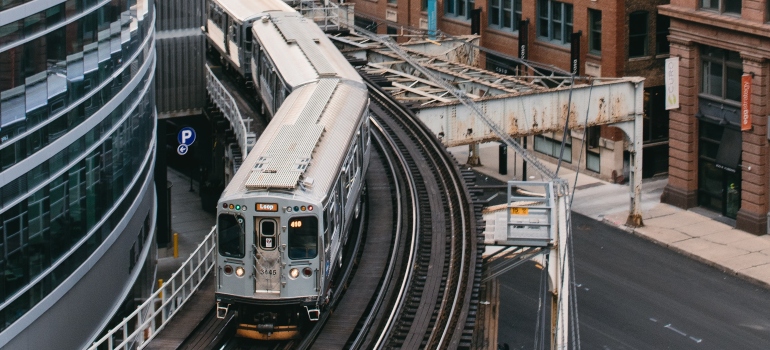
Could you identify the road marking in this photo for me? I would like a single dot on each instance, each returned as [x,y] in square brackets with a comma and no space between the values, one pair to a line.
[675,330]
[697,340]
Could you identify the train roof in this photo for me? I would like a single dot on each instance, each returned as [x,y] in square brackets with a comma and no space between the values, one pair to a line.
[242,10]
[316,122]
[300,49]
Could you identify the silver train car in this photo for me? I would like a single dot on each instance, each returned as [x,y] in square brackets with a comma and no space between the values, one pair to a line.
[282,221]
[228,29]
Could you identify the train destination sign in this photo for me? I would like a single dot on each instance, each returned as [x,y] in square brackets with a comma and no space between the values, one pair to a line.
[267,206]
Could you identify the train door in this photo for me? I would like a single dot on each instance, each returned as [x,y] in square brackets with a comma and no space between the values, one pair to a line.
[267,258]
[245,56]
[226,31]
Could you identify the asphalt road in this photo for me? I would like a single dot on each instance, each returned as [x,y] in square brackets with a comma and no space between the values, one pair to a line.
[633,294]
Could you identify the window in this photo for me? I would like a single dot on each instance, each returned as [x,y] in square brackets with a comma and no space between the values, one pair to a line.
[267,230]
[637,34]
[392,30]
[555,21]
[595,32]
[303,237]
[661,35]
[392,2]
[722,6]
[459,8]
[552,147]
[230,232]
[722,72]
[508,16]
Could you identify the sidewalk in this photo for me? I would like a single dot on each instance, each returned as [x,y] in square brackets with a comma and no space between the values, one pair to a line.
[695,235]
[188,219]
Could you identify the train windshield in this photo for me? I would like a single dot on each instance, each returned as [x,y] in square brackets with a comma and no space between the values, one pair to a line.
[303,237]
[231,234]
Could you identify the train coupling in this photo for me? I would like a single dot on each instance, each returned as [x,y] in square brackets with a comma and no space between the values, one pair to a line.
[222,311]
[313,314]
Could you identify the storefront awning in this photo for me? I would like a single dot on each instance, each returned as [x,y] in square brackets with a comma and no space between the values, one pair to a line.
[729,154]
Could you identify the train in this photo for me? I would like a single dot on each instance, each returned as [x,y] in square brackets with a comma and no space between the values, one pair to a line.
[283,220]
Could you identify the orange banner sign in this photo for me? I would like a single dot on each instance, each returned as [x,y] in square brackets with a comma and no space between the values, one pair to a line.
[746,102]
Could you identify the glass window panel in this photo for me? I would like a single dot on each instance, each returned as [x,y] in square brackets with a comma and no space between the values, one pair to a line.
[10,32]
[556,30]
[12,107]
[637,34]
[230,230]
[54,15]
[714,79]
[507,14]
[734,83]
[595,31]
[303,237]
[11,69]
[661,38]
[6,4]
[732,6]
[34,23]
[710,4]
[494,13]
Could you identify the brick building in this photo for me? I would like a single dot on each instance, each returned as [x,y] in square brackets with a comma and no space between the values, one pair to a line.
[619,38]
[723,46]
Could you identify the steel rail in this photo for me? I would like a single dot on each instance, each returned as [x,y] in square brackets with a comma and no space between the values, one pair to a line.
[359,339]
[406,282]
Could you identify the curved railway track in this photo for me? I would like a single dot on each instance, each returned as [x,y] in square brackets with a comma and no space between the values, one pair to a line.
[439,290]
[421,292]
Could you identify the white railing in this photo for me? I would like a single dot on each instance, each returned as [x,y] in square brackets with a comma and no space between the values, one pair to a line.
[226,103]
[141,326]
[328,16]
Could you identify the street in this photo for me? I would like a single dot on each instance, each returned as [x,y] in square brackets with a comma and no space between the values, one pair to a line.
[633,294]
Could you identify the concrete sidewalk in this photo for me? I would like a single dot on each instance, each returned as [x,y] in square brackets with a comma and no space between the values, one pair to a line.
[696,233]
[188,219]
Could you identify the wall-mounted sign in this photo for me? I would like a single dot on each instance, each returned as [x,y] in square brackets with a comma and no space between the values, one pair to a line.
[746,102]
[672,83]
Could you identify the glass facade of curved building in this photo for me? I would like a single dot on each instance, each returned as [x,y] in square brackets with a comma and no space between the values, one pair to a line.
[77,151]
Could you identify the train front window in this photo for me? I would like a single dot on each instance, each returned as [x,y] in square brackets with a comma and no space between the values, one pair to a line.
[303,237]
[230,230]
[267,239]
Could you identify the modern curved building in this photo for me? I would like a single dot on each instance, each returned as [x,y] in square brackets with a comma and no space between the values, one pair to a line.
[77,151]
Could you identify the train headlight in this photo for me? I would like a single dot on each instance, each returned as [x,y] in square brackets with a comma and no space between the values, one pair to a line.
[293,273]
[228,269]
[239,271]
[307,272]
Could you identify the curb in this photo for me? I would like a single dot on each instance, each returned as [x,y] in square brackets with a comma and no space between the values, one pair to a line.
[692,256]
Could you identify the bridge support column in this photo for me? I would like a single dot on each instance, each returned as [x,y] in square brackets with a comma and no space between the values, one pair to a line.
[473,154]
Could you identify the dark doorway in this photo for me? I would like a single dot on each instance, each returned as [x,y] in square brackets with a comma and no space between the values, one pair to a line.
[719,175]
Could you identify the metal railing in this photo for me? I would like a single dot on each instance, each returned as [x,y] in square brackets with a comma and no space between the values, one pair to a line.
[328,16]
[142,325]
[226,103]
